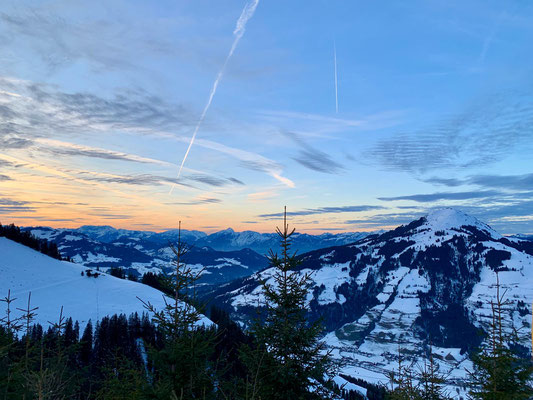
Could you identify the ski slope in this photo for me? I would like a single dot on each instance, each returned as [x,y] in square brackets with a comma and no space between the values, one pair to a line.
[54,284]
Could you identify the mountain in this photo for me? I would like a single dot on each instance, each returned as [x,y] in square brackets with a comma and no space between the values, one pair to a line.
[224,255]
[225,240]
[138,253]
[523,237]
[424,285]
[54,284]
[228,239]
[108,234]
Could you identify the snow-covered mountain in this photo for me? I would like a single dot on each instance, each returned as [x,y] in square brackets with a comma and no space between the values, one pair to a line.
[225,240]
[228,239]
[426,283]
[225,255]
[54,284]
[138,254]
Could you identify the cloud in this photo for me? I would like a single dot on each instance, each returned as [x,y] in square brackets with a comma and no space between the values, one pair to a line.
[113,216]
[205,179]
[262,195]
[60,40]
[313,159]
[138,180]
[151,179]
[386,219]
[8,206]
[510,182]
[43,110]
[59,148]
[237,181]
[207,200]
[317,161]
[517,182]
[320,124]
[5,178]
[247,160]
[14,142]
[485,132]
[450,182]
[325,210]
[427,198]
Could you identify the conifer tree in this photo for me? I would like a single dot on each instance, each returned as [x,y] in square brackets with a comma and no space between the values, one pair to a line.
[500,372]
[86,344]
[288,361]
[431,381]
[182,366]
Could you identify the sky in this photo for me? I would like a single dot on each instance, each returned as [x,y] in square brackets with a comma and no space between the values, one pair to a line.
[99,101]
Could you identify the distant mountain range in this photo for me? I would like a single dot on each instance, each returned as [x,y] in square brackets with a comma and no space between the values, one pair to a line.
[224,255]
[425,285]
[225,240]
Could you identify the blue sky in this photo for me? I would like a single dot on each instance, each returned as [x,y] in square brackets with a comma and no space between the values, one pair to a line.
[99,100]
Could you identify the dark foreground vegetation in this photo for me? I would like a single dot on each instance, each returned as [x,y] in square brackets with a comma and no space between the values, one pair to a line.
[26,238]
[168,354]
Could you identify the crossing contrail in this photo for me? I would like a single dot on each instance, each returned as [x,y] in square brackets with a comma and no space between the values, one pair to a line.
[238,32]
[336,84]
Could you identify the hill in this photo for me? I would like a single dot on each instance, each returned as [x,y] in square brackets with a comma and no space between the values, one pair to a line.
[54,284]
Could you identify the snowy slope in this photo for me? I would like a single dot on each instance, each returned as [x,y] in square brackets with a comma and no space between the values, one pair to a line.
[428,282]
[54,283]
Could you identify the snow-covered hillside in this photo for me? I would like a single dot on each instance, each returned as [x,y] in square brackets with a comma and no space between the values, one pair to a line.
[54,284]
[425,284]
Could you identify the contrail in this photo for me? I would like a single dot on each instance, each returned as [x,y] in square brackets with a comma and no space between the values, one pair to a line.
[238,32]
[336,85]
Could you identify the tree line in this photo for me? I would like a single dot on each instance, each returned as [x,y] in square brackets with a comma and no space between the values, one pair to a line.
[26,238]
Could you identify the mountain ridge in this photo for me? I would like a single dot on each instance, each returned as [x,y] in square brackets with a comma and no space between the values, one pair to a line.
[424,285]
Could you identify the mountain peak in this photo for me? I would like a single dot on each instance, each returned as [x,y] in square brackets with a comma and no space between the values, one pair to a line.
[450,218]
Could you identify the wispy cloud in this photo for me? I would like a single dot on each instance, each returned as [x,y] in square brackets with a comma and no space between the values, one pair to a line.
[427,198]
[510,182]
[42,110]
[484,133]
[198,201]
[326,124]
[8,206]
[249,160]
[386,220]
[325,210]
[60,39]
[5,178]
[60,148]
[312,158]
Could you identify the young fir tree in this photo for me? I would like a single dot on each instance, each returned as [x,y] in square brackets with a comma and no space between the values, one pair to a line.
[431,380]
[288,360]
[417,382]
[11,371]
[182,367]
[500,372]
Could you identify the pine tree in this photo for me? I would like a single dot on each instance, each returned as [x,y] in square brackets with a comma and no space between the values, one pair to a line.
[500,372]
[86,344]
[288,361]
[183,368]
[402,382]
